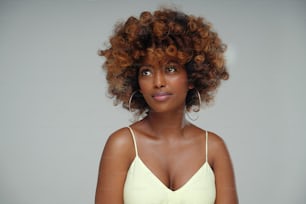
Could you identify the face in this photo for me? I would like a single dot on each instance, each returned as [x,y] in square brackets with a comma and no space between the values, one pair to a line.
[163,84]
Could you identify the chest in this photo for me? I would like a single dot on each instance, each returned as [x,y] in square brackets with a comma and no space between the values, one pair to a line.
[173,164]
[142,186]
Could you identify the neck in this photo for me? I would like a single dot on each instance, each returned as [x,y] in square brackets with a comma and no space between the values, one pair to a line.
[167,124]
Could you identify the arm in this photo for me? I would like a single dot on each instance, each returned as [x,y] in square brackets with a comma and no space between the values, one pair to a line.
[115,161]
[224,173]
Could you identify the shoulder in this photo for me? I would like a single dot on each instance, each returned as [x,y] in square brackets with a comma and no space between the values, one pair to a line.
[215,141]
[114,164]
[120,143]
[217,148]
[120,137]
[223,170]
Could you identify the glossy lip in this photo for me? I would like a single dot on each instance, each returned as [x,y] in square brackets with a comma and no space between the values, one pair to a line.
[161,96]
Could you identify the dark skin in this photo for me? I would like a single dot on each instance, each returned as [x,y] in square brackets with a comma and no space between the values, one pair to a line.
[171,147]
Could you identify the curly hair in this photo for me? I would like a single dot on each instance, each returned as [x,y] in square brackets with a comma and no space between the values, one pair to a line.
[191,40]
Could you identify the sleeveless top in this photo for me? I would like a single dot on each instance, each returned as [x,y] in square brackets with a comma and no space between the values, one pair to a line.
[143,187]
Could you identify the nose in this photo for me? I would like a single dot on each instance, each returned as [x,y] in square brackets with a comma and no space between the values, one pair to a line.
[159,80]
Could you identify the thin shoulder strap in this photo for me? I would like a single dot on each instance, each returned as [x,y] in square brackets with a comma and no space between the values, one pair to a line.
[206,148]
[134,140]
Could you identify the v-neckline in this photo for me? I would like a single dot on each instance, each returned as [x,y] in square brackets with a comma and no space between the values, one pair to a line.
[162,184]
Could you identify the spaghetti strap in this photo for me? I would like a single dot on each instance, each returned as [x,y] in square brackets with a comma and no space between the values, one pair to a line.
[134,140]
[206,147]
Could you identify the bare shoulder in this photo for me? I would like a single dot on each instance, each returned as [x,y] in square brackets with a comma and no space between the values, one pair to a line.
[217,147]
[215,141]
[115,161]
[120,138]
[223,170]
[118,143]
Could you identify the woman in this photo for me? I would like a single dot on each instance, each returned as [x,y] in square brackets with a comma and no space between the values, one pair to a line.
[161,66]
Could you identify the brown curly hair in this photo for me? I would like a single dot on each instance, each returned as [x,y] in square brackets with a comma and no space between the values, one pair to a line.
[171,33]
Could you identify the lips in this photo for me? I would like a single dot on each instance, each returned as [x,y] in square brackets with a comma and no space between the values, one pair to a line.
[161,96]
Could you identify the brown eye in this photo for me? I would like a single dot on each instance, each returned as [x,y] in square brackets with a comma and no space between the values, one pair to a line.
[145,72]
[171,68]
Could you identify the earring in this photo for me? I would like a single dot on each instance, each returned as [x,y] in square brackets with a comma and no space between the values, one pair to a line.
[130,100]
[197,109]
[200,100]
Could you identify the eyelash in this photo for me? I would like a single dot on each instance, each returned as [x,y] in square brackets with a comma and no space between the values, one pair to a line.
[144,72]
[169,69]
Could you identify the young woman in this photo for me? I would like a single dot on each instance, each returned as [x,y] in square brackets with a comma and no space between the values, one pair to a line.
[161,66]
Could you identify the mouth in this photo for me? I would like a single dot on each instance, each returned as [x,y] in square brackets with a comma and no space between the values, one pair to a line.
[161,96]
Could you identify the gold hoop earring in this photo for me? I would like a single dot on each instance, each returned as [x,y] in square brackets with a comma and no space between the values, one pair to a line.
[195,110]
[130,100]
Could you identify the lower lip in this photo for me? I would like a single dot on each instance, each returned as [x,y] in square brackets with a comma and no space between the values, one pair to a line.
[161,97]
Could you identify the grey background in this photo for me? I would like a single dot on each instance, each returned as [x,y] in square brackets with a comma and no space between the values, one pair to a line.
[55,116]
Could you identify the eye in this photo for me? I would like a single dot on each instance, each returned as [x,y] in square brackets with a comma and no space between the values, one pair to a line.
[145,72]
[171,68]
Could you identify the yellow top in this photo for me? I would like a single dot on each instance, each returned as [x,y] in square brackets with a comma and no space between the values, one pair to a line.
[143,187]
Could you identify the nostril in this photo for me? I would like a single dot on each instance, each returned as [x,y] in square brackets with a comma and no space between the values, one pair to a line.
[159,79]
[160,82]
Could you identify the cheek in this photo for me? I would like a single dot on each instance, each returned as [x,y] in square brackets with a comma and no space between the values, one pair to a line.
[181,81]
[143,85]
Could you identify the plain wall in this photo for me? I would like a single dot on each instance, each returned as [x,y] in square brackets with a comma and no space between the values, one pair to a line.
[55,115]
